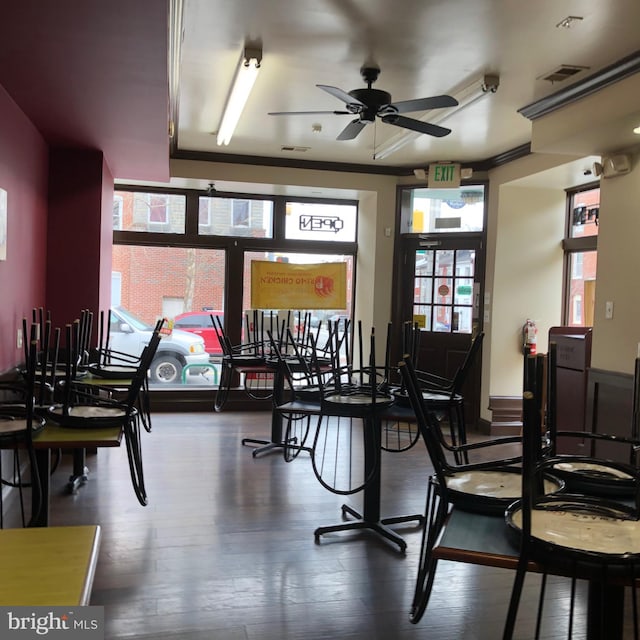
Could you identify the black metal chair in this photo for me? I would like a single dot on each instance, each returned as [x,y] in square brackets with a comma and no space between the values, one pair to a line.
[83,408]
[247,359]
[594,476]
[298,402]
[18,424]
[579,536]
[445,398]
[486,487]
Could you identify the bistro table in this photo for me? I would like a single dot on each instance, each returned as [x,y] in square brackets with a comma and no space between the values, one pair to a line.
[56,437]
[371,409]
[274,369]
[113,384]
[53,566]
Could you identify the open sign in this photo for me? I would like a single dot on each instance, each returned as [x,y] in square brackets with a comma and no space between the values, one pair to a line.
[321,223]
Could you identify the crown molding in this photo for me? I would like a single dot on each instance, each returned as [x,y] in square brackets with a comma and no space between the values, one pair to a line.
[598,81]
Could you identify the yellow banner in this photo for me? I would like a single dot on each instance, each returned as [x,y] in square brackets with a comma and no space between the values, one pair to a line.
[282,285]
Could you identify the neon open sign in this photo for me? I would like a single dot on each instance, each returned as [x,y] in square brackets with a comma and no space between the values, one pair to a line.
[321,223]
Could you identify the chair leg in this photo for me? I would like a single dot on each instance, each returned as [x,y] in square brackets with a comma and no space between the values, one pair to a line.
[461,428]
[435,514]
[543,587]
[17,473]
[634,602]
[295,435]
[514,602]
[226,375]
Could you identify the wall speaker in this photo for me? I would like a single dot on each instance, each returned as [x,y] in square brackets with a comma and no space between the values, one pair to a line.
[616,165]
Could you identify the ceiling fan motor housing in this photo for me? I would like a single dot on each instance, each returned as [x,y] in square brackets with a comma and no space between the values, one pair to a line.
[373,99]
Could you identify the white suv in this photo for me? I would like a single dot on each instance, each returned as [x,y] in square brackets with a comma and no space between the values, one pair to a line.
[129,334]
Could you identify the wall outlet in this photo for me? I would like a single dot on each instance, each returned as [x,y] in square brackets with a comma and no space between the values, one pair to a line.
[19,339]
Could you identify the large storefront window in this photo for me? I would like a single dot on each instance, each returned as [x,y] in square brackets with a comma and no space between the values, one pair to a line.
[183,285]
[203,269]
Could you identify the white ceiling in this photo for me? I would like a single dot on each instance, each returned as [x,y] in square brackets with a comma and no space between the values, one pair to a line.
[100,75]
[424,48]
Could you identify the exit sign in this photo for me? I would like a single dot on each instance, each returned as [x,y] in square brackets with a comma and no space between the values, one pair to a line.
[444,175]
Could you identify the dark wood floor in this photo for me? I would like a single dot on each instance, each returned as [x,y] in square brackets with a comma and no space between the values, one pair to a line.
[225,549]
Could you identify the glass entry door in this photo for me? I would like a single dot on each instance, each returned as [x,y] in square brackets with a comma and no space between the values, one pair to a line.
[440,288]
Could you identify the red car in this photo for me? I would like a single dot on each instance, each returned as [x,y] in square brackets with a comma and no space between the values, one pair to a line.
[199,322]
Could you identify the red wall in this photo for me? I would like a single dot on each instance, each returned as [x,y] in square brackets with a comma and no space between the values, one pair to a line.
[76,267]
[24,174]
[58,241]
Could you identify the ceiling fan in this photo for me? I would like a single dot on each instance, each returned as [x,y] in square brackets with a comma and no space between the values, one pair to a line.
[369,103]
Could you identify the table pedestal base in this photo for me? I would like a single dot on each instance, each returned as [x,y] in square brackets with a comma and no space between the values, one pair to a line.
[80,474]
[264,446]
[378,526]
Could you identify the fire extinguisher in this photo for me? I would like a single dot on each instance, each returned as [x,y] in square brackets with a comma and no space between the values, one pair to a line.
[529,338]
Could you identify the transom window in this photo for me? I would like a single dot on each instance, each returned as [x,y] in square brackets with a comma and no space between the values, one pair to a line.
[243,217]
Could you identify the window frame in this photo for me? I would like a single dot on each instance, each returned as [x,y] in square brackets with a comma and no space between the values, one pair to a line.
[235,246]
[574,245]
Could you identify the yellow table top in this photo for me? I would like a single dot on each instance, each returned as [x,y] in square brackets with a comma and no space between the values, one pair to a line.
[94,380]
[49,566]
[54,436]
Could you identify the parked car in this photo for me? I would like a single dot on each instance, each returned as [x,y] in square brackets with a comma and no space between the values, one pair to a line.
[199,323]
[129,334]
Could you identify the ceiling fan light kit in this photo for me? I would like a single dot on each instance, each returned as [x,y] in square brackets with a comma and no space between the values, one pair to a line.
[243,81]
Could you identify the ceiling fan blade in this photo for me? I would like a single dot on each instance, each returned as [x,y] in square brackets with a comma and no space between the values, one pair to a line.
[424,104]
[341,95]
[306,113]
[416,125]
[352,130]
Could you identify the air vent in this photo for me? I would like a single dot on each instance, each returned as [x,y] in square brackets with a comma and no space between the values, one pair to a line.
[562,73]
[298,149]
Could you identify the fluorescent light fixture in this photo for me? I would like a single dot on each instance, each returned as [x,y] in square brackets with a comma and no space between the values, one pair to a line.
[246,74]
[466,96]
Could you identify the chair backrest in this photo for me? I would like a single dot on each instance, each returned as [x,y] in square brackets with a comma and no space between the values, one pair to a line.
[47,364]
[228,350]
[427,423]
[462,373]
[635,418]
[138,380]
[551,422]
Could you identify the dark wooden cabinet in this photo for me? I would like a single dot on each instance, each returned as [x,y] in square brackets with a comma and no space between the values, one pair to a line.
[573,362]
[610,411]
